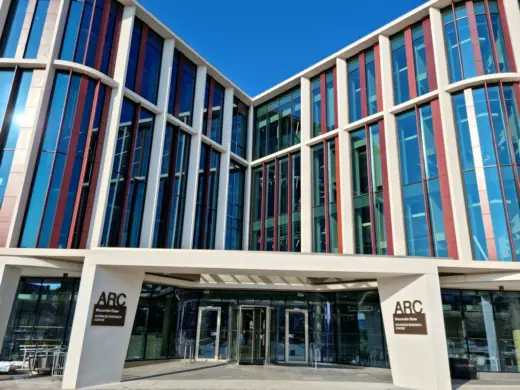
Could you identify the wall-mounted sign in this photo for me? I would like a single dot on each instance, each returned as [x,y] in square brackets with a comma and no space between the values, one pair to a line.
[110,310]
[409,318]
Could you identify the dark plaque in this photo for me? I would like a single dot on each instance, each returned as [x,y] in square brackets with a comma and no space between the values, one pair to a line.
[463,369]
[109,315]
[410,324]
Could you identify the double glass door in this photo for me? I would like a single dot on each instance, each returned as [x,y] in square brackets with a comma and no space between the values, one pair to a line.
[296,336]
[208,333]
[250,334]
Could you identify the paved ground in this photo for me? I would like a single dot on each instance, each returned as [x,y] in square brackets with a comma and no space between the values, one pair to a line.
[206,376]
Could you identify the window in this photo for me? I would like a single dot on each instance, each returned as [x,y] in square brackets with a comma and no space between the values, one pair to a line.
[126,197]
[324,103]
[171,199]
[15,37]
[207,199]
[490,159]
[477,40]
[144,62]
[363,84]
[15,86]
[419,137]
[61,190]
[326,231]
[239,129]
[277,124]
[82,41]
[182,88]
[371,225]
[235,206]
[275,206]
[213,110]
[400,69]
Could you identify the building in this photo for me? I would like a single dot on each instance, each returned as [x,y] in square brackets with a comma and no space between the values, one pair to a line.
[364,211]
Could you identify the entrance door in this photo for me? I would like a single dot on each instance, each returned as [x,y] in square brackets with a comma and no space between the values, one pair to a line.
[208,333]
[296,336]
[253,338]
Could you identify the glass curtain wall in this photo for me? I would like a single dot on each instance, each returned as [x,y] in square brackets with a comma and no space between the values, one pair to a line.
[368,190]
[239,128]
[363,75]
[82,41]
[171,198]
[491,169]
[276,205]
[422,197]
[182,88]
[326,231]
[213,110]
[207,199]
[277,124]
[126,197]
[72,140]
[324,102]
[235,206]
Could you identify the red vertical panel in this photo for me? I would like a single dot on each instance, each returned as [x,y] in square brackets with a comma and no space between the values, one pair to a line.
[326,193]
[67,173]
[338,197]
[262,217]
[140,62]
[323,103]
[474,37]
[386,194]
[379,87]
[115,44]
[178,85]
[290,206]
[335,77]
[102,37]
[507,36]
[363,85]
[447,209]
[410,62]
[275,208]
[430,58]
[89,208]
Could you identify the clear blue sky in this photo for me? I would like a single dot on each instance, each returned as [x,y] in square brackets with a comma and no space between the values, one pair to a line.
[259,43]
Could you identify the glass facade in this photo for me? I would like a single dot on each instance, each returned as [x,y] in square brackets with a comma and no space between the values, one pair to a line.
[144,62]
[363,78]
[125,204]
[324,103]
[326,228]
[370,222]
[171,198]
[400,69]
[235,206]
[82,41]
[182,88]
[475,41]
[490,156]
[239,128]
[277,124]
[61,188]
[276,206]
[207,199]
[213,110]
[422,197]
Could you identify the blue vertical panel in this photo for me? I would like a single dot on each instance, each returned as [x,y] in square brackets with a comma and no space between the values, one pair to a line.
[409,148]
[35,36]
[94,34]
[513,207]
[152,66]
[12,130]
[354,90]
[6,83]
[81,45]
[400,70]
[415,220]
[13,28]
[41,182]
[110,37]
[70,35]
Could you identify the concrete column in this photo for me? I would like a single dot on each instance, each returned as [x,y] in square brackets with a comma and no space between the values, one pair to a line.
[220,234]
[159,131]
[9,279]
[116,105]
[512,9]
[193,167]
[4,9]
[345,159]
[418,361]
[451,148]
[97,354]
[247,181]
[392,150]
[306,167]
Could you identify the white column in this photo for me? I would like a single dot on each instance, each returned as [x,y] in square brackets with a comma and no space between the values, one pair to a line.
[9,278]
[116,104]
[159,131]
[512,9]
[227,124]
[247,181]
[418,361]
[392,150]
[4,9]
[193,167]
[97,354]
[451,148]
[345,159]
[306,167]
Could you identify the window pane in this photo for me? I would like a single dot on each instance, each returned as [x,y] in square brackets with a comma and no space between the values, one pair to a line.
[421,70]
[465,144]
[316,107]
[428,142]
[440,248]
[485,135]
[13,28]
[371,86]
[415,221]
[478,233]
[513,207]
[354,91]
[500,44]
[380,224]
[466,48]
[331,121]
[513,119]
[409,148]
[400,70]
[452,49]
[359,163]
[375,158]
[486,49]
[296,203]
[362,225]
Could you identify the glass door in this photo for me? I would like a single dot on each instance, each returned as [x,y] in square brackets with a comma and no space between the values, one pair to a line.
[253,335]
[296,336]
[208,333]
